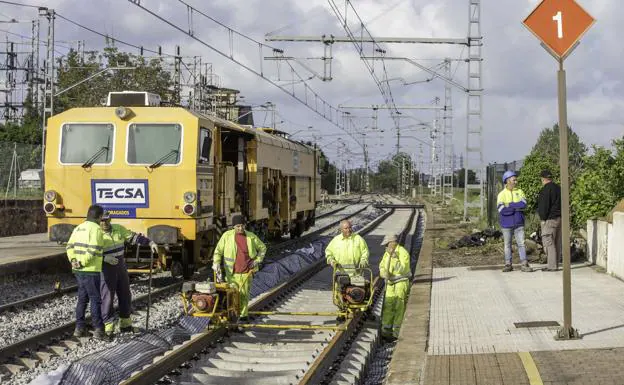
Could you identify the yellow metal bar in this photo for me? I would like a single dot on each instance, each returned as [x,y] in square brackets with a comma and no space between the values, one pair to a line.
[291,326]
[318,313]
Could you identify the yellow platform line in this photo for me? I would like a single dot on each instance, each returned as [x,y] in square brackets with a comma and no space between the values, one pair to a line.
[530,368]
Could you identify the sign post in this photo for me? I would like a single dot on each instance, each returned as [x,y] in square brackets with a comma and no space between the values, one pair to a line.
[559,24]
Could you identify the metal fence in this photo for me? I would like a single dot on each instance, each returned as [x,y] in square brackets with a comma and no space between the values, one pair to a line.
[20,171]
[494,184]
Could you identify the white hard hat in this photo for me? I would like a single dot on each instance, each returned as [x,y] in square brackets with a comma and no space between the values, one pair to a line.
[389,238]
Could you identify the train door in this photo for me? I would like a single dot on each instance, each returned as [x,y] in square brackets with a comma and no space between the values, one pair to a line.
[234,150]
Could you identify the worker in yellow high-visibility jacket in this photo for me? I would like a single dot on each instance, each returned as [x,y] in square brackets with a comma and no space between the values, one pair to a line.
[346,253]
[84,250]
[395,269]
[242,253]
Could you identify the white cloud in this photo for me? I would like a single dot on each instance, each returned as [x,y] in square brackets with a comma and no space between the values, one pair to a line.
[519,76]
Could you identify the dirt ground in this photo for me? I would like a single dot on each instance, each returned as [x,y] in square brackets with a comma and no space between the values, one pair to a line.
[446,229]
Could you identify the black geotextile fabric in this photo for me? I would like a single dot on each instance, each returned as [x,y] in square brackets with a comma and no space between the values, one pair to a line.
[276,272]
[111,366]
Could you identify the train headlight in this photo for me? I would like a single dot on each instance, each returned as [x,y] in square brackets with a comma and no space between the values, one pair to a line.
[188,209]
[49,208]
[49,195]
[189,197]
[122,112]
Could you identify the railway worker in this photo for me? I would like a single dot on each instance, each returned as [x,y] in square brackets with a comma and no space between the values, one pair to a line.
[511,203]
[395,269]
[549,211]
[84,250]
[114,279]
[347,249]
[242,253]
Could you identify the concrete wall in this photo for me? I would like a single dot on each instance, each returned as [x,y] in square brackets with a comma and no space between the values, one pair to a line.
[21,217]
[615,253]
[605,244]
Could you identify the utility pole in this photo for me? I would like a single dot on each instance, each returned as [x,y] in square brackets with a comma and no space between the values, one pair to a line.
[48,79]
[447,178]
[177,87]
[474,111]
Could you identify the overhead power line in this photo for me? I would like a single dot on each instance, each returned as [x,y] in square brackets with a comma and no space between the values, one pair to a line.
[297,86]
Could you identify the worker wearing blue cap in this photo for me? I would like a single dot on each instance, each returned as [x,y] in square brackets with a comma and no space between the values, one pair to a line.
[511,204]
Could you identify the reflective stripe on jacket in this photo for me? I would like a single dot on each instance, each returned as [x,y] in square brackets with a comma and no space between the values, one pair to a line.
[85,245]
[115,241]
[397,268]
[510,208]
[226,249]
[348,251]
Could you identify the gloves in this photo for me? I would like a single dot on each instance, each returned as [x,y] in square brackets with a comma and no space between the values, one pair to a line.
[111,260]
[154,247]
[218,273]
[256,265]
[76,265]
[363,264]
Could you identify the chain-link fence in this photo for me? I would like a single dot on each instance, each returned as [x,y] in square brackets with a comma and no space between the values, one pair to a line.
[21,176]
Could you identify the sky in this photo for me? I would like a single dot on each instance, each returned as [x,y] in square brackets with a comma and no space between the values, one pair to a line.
[519,76]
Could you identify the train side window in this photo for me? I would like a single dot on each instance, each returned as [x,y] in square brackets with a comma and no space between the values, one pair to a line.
[205,143]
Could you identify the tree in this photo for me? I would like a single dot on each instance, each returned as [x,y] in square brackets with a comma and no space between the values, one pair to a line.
[548,146]
[148,75]
[594,193]
[545,155]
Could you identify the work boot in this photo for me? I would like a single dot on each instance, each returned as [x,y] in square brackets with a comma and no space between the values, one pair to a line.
[80,332]
[125,326]
[109,329]
[507,268]
[129,329]
[100,334]
[526,268]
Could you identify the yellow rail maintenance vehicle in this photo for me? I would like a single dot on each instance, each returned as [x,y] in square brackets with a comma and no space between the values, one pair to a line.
[176,175]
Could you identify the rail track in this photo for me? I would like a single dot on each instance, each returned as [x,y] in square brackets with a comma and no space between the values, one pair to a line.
[59,291]
[272,352]
[27,353]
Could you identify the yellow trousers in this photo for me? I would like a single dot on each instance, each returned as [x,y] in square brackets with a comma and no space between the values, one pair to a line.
[243,281]
[393,308]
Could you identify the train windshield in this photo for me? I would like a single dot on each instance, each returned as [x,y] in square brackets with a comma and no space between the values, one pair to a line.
[87,143]
[154,144]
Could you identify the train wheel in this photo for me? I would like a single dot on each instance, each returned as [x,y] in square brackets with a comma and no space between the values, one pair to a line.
[187,267]
[176,269]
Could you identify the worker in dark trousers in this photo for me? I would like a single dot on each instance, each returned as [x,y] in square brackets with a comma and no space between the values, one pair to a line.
[84,250]
[115,280]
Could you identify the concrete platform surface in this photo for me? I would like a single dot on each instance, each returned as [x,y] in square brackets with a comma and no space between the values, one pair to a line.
[30,252]
[27,246]
[476,335]
[475,311]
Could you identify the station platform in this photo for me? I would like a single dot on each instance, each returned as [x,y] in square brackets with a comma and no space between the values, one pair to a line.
[478,325]
[24,253]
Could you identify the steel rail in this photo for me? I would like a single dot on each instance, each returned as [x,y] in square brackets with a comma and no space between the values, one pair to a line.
[173,359]
[321,366]
[33,342]
[52,294]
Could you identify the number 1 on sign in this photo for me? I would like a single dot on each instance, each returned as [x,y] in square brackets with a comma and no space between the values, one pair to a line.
[559,19]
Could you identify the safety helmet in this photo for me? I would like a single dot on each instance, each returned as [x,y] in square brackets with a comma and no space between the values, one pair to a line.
[507,175]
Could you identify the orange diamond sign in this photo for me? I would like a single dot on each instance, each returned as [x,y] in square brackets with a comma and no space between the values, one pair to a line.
[559,24]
